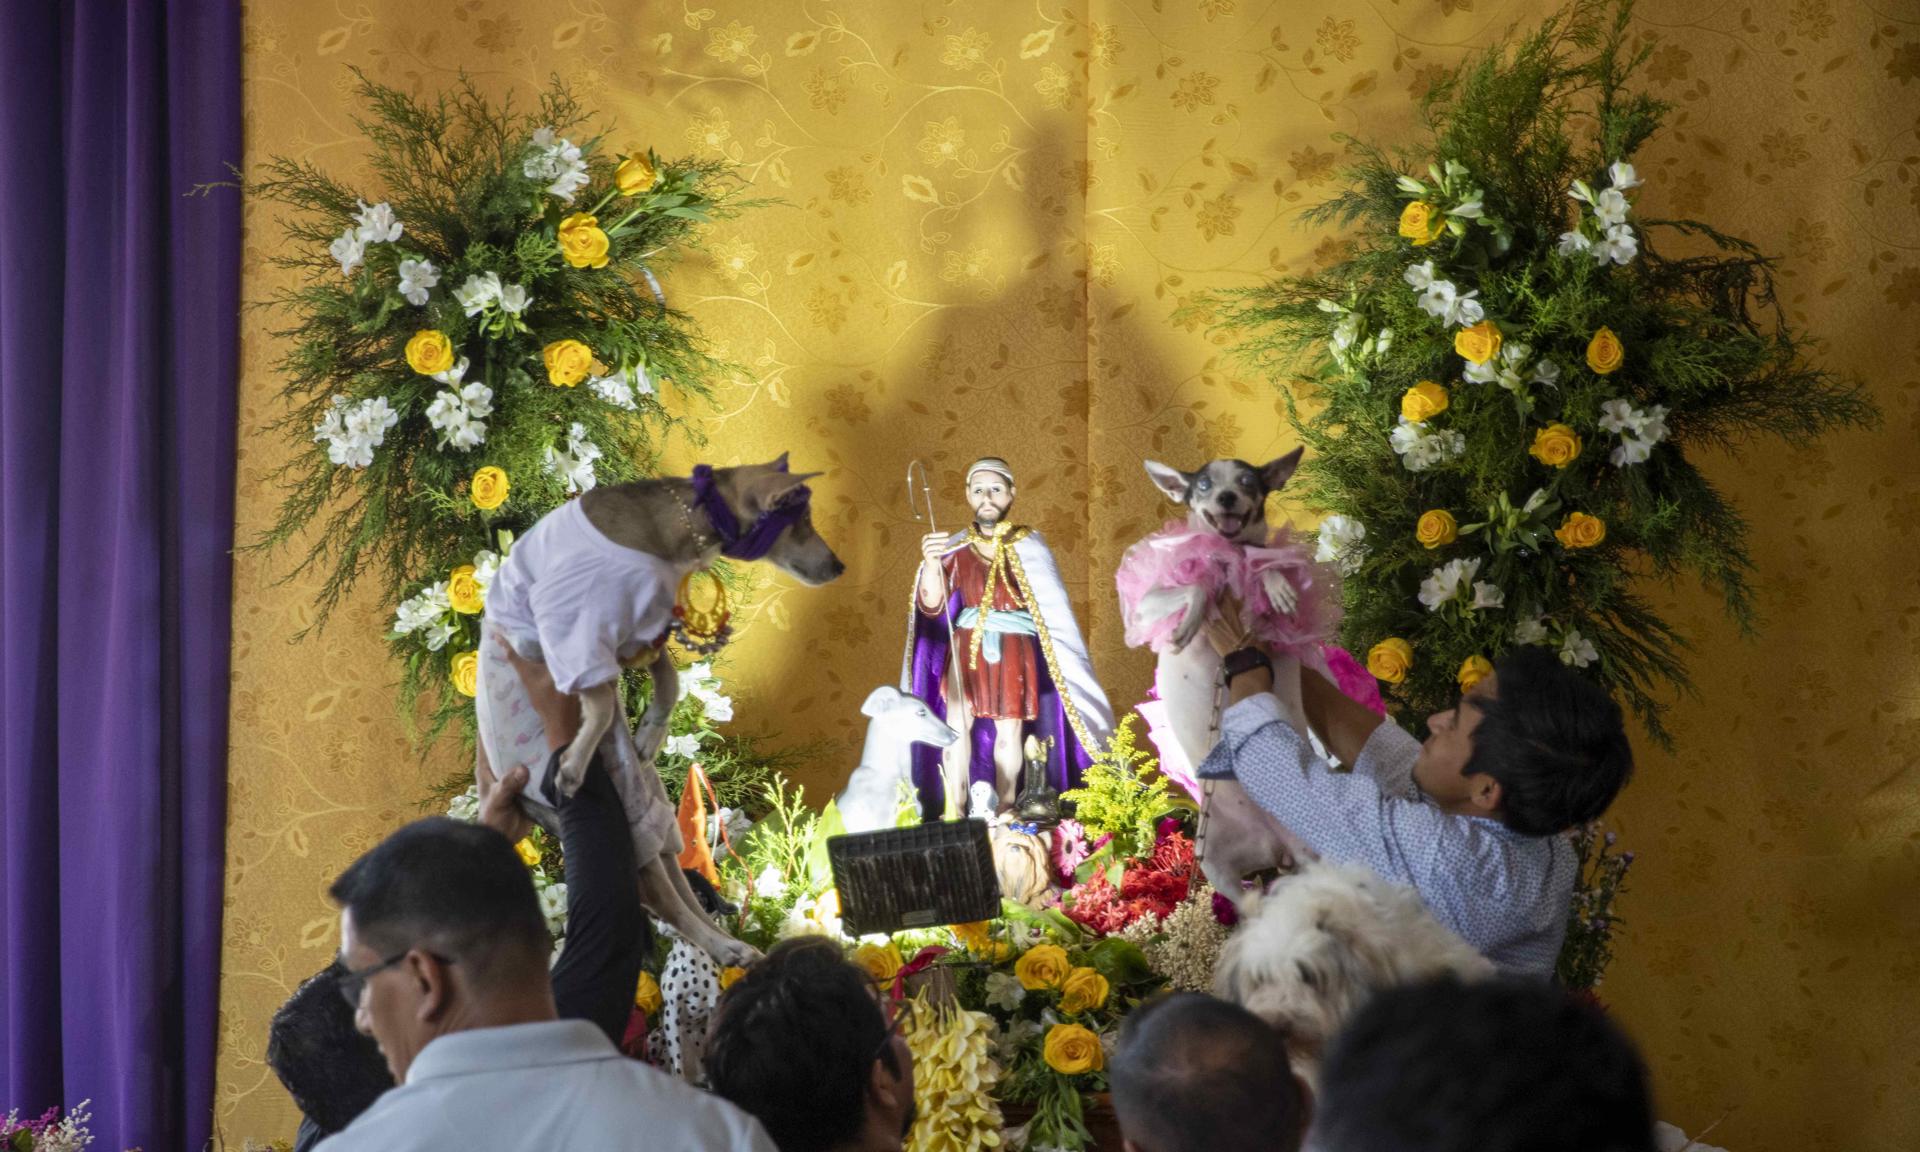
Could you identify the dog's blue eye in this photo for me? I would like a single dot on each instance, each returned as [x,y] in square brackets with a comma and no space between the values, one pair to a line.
[1246,481]
[1204,485]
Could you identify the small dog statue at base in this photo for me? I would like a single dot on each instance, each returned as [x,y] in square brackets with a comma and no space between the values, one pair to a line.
[1196,590]
[591,588]
[898,722]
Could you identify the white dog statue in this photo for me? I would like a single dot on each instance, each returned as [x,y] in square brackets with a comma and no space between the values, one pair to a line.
[872,795]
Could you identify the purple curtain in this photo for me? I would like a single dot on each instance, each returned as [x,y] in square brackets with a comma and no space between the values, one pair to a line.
[119,297]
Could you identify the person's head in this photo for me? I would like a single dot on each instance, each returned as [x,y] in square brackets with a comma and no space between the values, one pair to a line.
[1504,1066]
[806,1044]
[332,1071]
[1196,1074]
[990,491]
[1536,745]
[440,931]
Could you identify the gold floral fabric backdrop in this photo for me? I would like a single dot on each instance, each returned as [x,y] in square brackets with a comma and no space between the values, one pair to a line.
[988,215]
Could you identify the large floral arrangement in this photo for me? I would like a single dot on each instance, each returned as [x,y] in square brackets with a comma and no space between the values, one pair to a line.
[483,340]
[1515,373]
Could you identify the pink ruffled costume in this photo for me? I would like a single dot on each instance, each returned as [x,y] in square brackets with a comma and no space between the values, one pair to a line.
[1181,556]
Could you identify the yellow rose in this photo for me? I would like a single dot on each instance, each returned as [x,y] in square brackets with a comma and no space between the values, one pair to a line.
[646,995]
[1472,671]
[1071,1049]
[975,937]
[1436,527]
[1084,991]
[1421,223]
[635,175]
[1605,353]
[1556,445]
[582,242]
[1479,343]
[730,976]
[1580,530]
[463,591]
[489,488]
[881,963]
[1390,660]
[466,674]
[529,851]
[1423,402]
[429,352]
[1044,966]
[568,362]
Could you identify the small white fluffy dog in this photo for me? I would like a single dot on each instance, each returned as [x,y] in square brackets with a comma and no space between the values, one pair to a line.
[1310,952]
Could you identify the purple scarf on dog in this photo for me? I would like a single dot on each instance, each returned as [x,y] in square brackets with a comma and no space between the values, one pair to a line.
[758,540]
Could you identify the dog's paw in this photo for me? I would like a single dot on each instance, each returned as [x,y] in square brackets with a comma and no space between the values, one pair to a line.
[1186,630]
[574,762]
[730,953]
[1281,593]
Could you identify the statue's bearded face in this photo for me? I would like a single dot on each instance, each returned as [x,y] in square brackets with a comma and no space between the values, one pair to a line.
[989,495]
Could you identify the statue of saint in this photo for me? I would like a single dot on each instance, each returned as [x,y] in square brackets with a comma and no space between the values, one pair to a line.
[994,649]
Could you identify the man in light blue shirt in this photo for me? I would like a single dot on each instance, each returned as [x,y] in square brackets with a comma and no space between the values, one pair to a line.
[1473,819]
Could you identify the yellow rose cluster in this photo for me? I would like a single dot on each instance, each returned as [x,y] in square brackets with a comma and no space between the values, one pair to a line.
[1556,445]
[1473,670]
[529,851]
[1436,528]
[1043,966]
[1390,660]
[954,1076]
[465,674]
[489,488]
[1479,343]
[1423,402]
[429,352]
[463,591]
[1605,353]
[582,243]
[568,362]
[647,997]
[1580,530]
[881,962]
[1071,1049]
[1421,223]
[1084,990]
[636,174]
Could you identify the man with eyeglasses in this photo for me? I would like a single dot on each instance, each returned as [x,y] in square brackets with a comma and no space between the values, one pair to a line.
[808,1045]
[445,954]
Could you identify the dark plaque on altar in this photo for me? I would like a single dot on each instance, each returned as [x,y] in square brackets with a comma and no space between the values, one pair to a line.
[920,876]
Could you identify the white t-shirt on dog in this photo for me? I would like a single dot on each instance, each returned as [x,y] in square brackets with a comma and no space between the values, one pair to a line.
[579,602]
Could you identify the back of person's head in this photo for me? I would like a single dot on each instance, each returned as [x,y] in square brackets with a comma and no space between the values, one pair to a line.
[332,1071]
[1555,741]
[1196,1074]
[793,1042]
[454,888]
[1503,1066]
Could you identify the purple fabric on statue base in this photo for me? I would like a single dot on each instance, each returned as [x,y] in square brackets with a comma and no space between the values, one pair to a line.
[119,297]
[927,676]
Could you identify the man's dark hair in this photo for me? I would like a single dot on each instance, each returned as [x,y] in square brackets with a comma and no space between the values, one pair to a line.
[332,1071]
[793,1042]
[453,888]
[1196,1074]
[1500,1066]
[1554,740]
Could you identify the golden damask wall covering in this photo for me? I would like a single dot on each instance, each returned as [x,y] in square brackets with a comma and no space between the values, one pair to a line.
[989,213]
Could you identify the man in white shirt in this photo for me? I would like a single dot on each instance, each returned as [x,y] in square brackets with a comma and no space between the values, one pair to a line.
[446,956]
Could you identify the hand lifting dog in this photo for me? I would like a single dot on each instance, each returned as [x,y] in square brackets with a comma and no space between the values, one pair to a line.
[1222,575]
[591,589]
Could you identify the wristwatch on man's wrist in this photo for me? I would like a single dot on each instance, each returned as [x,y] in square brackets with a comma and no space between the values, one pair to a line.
[1243,660]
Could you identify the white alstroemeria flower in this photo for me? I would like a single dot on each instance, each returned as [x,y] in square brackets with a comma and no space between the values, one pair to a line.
[1534,502]
[478,293]
[1437,298]
[554,158]
[455,375]
[478,398]
[613,389]
[553,905]
[372,418]
[514,299]
[1448,582]
[1577,650]
[770,884]
[1409,185]
[1619,418]
[486,565]
[1630,451]
[435,596]
[719,708]
[1382,342]
[1466,311]
[1421,447]
[466,433]
[1620,246]
[1610,207]
[1344,333]
[1580,191]
[376,224]
[1622,175]
[414,613]
[1573,244]
[1546,372]
[1471,210]
[1487,595]
[1532,630]
[1653,423]
[1004,991]
[1418,276]
[1342,541]
[573,464]
[438,633]
[687,745]
[349,250]
[416,276]
[694,674]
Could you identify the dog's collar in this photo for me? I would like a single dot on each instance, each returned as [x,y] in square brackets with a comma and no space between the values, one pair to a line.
[737,543]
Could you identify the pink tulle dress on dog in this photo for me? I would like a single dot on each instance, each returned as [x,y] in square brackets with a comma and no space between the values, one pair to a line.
[1181,556]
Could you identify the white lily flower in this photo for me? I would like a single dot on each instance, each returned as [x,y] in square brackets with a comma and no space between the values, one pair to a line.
[1383,341]
[1487,595]
[1610,207]
[1619,418]
[1573,243]
[455,374]
[1344,333]
[438,633]
[1418,276]
[1630,451]
[1532,630]
[486,565]
[573,464]
[1471,210]
[1576,650]
[478,398]
[1465,311]
[1620,246]
[1448,582]
[1410,185]
[376,224]
[514,299]
[416,276]
[1326,305]
[687,745]
[349,250]
[1342,540]
[1623,176]
[1437,298]
[1581,191]
[479,291]
[719,708]
[1546,372]
[1534,502]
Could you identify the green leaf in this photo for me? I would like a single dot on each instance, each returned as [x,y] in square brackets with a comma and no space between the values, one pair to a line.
[1121,962]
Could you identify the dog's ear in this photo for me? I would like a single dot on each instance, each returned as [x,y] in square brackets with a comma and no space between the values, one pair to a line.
[779,464]
[771,489]
[1275,473]
[878,699]
[1175,483]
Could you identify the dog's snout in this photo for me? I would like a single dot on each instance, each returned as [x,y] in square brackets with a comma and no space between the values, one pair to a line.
[838,567]
[1229,500]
